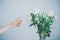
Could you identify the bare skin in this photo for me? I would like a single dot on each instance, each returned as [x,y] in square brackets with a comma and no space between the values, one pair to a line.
[16,23]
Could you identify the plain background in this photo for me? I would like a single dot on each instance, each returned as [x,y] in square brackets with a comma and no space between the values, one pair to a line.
[12,9]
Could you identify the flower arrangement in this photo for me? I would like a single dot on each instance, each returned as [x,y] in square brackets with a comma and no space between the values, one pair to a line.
[42,20]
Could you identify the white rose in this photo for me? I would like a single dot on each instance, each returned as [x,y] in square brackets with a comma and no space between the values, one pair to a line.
[51,13]
[29,17]
[56,18]
[36,11]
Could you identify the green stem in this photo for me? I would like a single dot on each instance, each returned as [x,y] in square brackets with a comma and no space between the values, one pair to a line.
[41,37]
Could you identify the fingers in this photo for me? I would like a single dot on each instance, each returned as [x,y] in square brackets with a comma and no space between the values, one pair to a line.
[16,23]
[19,20]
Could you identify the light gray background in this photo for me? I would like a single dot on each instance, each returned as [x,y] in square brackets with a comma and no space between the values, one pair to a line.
[12,9]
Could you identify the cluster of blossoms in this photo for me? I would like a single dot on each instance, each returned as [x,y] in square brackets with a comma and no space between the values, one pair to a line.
[42,20]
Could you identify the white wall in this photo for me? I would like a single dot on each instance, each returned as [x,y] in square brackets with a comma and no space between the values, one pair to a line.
[12,9]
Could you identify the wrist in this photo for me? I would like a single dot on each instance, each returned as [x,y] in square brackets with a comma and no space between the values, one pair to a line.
[9,26]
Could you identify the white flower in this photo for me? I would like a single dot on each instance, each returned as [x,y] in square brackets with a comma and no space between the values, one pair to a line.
[36,11]
[51,13]
[56,18]
[29,17]
[46,17]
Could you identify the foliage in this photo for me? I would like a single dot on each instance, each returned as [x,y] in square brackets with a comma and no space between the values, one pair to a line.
[43,23]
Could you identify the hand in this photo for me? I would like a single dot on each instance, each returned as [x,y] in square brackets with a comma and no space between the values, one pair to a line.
[15,23]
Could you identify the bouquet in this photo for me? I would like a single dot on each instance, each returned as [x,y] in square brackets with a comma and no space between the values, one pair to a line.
[42,20]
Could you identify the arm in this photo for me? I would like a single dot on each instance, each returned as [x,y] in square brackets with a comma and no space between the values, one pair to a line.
[13,24]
